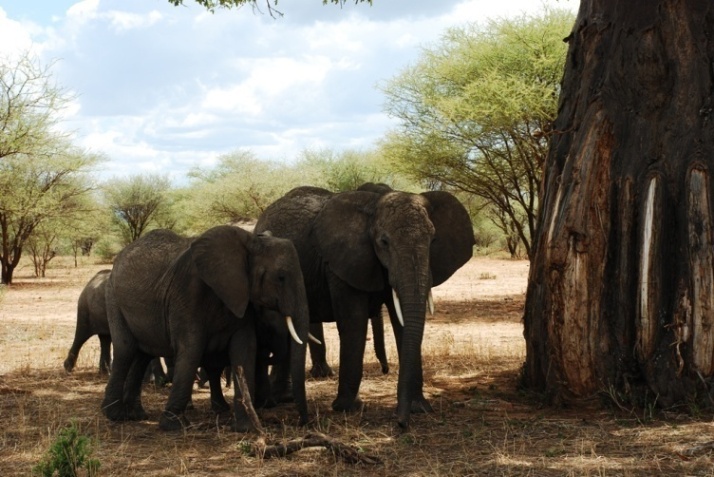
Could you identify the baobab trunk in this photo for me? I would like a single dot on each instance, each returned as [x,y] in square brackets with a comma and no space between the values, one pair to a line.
[621,290]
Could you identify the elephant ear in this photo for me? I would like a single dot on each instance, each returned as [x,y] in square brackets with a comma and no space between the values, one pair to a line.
[454,237]
[342,234]
[221,258]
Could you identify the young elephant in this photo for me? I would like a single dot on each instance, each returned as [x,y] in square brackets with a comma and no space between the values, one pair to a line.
[198,301]
[92,320]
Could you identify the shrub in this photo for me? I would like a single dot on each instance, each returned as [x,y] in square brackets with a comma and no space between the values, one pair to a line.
[68,454]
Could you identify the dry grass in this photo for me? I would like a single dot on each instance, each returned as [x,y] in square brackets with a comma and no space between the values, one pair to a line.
[473,351]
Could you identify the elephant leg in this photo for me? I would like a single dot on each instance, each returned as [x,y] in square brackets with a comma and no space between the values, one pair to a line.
[318,353]
[157,370]
[280,381]
[264,397]
[125,348]
[352,317]
[132,387]
[105,357]
[219,404]
[243,350]
[80,337]
[187,360]
[379,344]
[420,403]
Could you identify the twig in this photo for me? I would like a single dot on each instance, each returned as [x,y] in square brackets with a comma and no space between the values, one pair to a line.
[698,449]
[246,400]
[347,453]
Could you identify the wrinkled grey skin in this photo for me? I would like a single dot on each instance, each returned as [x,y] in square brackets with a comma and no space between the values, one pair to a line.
[318,352]
[354,248]
[196,301]
[92,320]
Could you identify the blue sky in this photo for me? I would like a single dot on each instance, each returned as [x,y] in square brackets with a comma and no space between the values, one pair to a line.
[161,88]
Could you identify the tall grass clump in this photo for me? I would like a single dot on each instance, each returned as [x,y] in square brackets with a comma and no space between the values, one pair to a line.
[68,455]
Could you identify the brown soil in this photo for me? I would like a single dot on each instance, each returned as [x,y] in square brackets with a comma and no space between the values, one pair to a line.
[473,349]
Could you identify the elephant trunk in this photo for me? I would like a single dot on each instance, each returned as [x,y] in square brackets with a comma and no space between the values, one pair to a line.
[297,362]
[413,298]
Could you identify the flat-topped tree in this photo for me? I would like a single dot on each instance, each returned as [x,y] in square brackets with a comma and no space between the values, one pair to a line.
[621,289]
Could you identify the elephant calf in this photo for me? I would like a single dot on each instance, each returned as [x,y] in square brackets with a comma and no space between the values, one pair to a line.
[92,320]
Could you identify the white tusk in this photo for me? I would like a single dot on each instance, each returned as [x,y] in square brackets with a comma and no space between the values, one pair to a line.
[313,339]
[293,333]
[397,307]
[430,301]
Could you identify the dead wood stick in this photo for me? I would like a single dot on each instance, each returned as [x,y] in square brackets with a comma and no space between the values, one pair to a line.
[698,449]
[345,452]
[246,400]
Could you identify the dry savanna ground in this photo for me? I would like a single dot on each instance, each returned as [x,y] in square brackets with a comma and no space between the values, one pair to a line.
[473,350]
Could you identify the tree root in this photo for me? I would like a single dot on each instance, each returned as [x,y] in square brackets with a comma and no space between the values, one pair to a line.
[348,454]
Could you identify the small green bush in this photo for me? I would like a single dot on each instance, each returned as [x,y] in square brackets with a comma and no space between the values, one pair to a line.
[69,453]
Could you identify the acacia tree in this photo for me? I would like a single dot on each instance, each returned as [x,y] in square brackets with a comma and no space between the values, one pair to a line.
[35,190]
[476,111]
[29,105]
[137,202]
[621,286]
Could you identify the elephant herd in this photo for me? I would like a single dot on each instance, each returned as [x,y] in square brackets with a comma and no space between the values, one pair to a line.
[234,298]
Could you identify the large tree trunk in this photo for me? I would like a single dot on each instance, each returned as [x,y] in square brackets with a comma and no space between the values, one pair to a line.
[621,290]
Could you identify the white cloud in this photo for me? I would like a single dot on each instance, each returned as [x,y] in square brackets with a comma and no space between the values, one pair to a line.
[14,36]
[122,21]
[165,87]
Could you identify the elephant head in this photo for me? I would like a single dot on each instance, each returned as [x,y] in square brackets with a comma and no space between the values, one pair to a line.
[400,241]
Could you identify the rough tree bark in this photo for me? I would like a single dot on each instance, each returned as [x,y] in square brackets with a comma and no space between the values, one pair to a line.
[621,289]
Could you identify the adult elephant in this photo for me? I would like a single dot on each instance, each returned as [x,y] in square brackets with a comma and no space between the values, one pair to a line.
[92,320]
[197,301]
[362,249]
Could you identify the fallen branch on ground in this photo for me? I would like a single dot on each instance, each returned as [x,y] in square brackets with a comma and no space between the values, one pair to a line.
[347,453]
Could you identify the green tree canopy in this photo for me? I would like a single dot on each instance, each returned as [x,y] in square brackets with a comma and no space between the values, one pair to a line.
[43,177]
[30,103]
[38,188]
[476,113]
[137,203]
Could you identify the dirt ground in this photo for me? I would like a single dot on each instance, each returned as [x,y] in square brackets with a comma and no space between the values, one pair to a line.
[473,350]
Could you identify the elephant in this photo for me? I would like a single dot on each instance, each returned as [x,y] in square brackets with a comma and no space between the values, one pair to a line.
[92,320]
[363,249]
[318,352]
[198,301]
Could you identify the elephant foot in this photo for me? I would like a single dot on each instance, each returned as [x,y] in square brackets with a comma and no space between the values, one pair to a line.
[117,411]
[421,406]
[347,404]
[190,406]
[69,364]
[321,370]
[137,413]
[242,424]
[385,368]
[170,421]
[219,407]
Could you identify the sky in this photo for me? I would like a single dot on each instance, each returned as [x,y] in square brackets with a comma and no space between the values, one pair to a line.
[162,89]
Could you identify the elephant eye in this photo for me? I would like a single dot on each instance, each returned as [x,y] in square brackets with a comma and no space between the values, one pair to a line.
[384,241]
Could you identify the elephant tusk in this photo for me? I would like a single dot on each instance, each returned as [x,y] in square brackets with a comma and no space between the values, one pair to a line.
[313,339]
[430,301]
[293,333]
[398,307]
